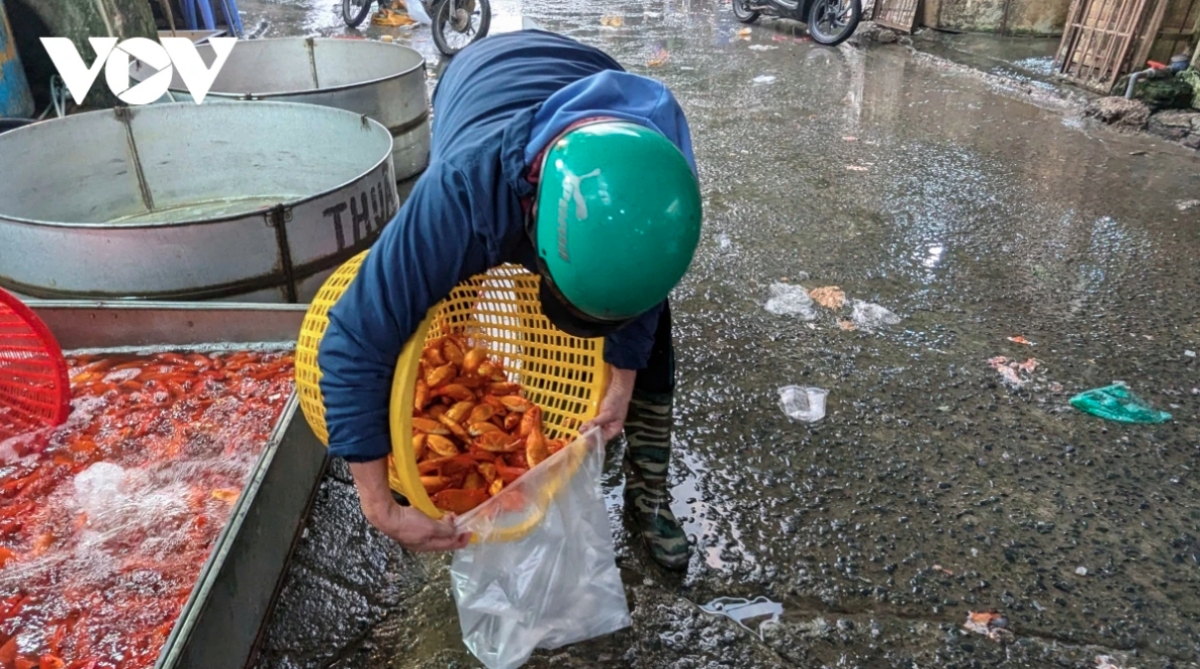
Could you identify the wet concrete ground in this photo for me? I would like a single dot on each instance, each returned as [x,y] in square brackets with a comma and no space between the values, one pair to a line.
[931,488]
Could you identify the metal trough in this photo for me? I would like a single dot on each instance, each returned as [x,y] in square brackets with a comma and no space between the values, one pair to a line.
[233,597]
[384,81]
[253,202]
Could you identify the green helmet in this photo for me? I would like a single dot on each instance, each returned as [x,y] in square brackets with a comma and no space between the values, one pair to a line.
[617,221]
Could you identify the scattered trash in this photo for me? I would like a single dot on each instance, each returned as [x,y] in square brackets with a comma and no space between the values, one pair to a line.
[868,316]
[764,79]
[1138,153]
[1118,403]
[846,325]
[1190,354]
[938,567]
[417,11]
[849,138]
[388,17]
[762,47]
[856,168]
[741,610]
[744,33]
[1000,364]
[660,58]
[1009,368]
[387,38]
[830,297]
[1020,340]
[1109,662]
[1184,205]
[790,300]
[803,403]
[991,625]
[1081,571]
[610,21]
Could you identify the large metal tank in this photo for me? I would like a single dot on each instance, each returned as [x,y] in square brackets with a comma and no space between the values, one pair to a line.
[255,202]
[384,81]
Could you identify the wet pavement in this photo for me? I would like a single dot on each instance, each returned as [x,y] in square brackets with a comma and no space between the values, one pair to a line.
[931,488]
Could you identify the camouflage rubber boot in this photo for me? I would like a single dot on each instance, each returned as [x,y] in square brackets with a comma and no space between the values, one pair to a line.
[648,432]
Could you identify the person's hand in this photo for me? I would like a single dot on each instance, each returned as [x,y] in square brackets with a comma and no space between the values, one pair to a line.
[405,525]
[615,406]
[417,532]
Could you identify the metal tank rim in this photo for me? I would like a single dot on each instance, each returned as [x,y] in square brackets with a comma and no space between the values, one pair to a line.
[125,111]
[309,42]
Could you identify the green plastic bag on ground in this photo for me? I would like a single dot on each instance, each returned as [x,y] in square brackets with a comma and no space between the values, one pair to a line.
[1118,403]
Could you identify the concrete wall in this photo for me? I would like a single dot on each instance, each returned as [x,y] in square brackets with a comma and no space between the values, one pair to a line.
[1025,17]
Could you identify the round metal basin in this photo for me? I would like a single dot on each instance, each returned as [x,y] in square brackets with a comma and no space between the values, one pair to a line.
[384,81]
[229,200]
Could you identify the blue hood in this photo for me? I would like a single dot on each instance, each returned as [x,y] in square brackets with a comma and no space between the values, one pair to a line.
[621,95]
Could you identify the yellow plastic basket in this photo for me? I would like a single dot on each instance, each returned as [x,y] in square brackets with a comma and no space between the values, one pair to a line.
[498,309]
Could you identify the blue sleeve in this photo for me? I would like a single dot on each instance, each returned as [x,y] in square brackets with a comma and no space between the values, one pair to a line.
[421,255]
[629,347]
[670,120]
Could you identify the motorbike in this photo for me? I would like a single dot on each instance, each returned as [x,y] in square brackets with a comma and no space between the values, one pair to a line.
[455,23]
[830,22]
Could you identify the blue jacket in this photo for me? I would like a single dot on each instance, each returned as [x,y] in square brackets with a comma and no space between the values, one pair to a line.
[497,105]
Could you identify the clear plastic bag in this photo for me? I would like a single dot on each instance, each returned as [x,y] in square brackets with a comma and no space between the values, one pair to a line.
[416,9]
[542,572]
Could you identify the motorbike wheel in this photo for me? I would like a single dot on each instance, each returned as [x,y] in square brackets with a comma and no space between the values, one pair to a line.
[458,23]
[831,22]
[742,11]
[354,12]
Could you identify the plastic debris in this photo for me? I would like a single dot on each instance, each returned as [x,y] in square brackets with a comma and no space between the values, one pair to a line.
[741,610]
[846,325]
[868,316]
[1009,368]
[1184,205]
[387,38]
[1190,354]
[1118,403]
[1109,662]
[830,297]
[992,625]
[849,138]
[856,168]
[764,79]
[659,58]
[803,403]
[938,567]
[612,21]
[790,300]
[1081,571]
[1009,374]
[1020,340]
[417,11]
[762,47]
[744,33]
[388,17]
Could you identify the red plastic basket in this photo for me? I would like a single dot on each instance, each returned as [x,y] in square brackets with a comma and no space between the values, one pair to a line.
[34,389]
